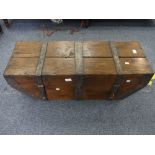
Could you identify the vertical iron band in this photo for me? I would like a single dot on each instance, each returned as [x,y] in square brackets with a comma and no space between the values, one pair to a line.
[79,68]
[39,69]
[118,69]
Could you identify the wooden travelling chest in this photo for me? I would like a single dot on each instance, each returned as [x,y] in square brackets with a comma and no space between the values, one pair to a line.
[78,69]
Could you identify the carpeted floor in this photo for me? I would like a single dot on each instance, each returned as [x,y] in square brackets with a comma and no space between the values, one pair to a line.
[21,114]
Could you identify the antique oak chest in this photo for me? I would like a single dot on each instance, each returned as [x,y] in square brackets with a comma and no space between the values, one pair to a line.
[78,69]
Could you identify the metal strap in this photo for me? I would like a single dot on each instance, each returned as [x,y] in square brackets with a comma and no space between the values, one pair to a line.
[39,70]
[116,58]
[118,69]
[79,69]
[78,57]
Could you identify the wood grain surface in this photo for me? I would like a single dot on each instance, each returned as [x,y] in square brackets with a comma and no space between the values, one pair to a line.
[98,67]
[129,49]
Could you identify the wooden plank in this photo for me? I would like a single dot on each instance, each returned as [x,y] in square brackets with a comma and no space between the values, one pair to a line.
[135,66]
[131,83]
[25,84]
[98,86]
[59,86]
[130,49]
[60,49]
[99,66]
[60,93]
[21,66]
[59,80]
[59,66]
[27,49]
[96,49]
